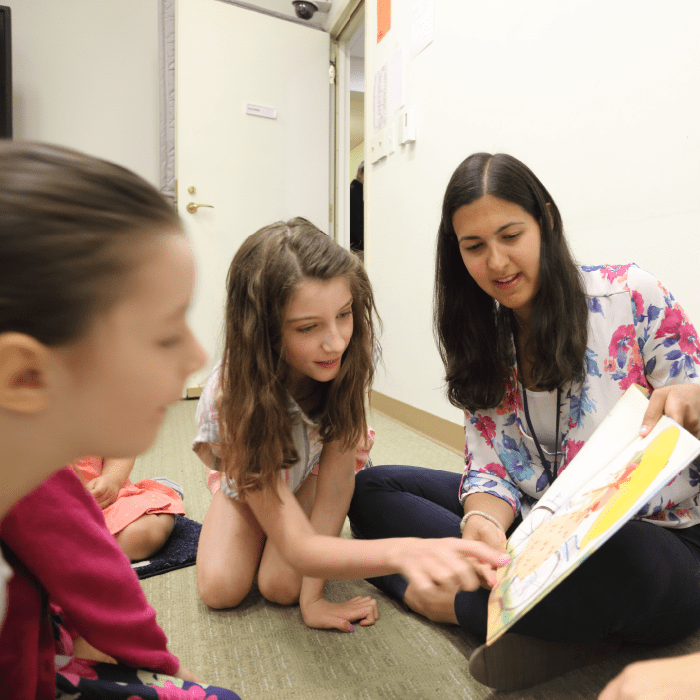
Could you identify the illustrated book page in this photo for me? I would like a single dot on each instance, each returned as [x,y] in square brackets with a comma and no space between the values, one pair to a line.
[609,480]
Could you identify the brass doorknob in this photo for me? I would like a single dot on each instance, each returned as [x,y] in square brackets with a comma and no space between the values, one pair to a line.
[192,207]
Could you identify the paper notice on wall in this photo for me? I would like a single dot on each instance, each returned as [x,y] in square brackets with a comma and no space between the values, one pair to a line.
[397,79]
[379,99]
[422,25]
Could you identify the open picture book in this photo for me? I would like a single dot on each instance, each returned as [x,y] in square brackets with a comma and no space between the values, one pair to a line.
[605,485]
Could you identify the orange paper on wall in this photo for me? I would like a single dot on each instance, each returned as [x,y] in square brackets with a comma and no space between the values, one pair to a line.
[383,18]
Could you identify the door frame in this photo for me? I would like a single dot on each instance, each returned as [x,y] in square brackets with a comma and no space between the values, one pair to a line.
[349,18]
[166,71]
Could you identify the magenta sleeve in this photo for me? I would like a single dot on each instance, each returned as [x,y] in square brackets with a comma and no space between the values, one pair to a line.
[60,534]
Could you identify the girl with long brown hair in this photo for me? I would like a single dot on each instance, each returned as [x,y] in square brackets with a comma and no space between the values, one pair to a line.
[282,418]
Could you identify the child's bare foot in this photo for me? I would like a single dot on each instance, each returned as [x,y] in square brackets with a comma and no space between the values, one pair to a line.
[440,607]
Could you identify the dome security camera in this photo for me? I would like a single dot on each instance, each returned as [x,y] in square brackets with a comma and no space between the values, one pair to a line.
[304,10]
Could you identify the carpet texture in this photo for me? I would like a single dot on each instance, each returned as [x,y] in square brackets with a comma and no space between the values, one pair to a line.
[264,651]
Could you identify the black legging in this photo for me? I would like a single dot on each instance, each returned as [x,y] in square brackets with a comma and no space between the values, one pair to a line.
[642,585]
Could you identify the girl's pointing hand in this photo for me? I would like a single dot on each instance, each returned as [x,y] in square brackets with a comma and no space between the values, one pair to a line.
[445,562]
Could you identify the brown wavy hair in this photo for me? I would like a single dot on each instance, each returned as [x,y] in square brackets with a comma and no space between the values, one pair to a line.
[473,332]
[255,423]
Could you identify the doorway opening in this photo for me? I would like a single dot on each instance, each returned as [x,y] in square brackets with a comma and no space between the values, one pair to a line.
[349,49]
[356,47]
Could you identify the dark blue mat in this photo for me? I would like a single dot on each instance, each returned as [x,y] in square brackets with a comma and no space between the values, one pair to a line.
[178,552]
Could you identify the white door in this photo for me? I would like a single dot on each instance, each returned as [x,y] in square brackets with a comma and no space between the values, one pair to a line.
[253,170]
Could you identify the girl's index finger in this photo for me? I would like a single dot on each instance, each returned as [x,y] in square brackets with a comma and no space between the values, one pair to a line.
[483,553]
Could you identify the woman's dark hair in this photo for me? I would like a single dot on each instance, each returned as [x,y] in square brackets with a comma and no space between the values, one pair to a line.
[254,417]
[69,225]
[474,332]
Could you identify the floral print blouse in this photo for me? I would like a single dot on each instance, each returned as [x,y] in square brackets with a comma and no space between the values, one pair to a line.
[637,333]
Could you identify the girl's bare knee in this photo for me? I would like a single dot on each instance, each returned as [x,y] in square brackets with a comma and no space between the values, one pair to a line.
[283,590]
[145,536]
[166,521]
[218,591]
[159,530]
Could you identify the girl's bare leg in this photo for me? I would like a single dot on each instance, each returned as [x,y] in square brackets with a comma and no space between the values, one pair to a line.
[84,650]
[278,582]
[145,536]
[230,546]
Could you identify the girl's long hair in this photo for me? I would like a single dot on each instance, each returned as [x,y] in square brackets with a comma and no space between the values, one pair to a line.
[255,422]
[474,332]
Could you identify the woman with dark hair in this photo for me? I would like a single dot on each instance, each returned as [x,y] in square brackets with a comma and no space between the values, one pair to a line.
[537,351]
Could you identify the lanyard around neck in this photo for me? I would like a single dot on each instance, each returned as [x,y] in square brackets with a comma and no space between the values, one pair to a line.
[551,472]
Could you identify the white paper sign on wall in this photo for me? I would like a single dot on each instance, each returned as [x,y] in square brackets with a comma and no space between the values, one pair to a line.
[258,111]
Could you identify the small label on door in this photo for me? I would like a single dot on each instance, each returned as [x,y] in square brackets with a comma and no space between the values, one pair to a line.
[258,111]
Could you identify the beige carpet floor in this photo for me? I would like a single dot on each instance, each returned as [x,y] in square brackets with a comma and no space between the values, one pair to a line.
[264,651]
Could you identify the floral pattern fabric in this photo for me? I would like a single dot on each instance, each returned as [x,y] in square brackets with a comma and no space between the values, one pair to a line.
[637,333]
[81,679]
[89,680]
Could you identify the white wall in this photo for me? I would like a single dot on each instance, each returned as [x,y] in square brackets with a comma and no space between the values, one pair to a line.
[86,76]
[599,98]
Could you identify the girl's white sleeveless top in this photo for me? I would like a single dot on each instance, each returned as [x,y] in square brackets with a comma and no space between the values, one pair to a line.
[208,448]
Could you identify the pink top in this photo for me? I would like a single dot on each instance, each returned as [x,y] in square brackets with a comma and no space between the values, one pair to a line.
[61,544]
